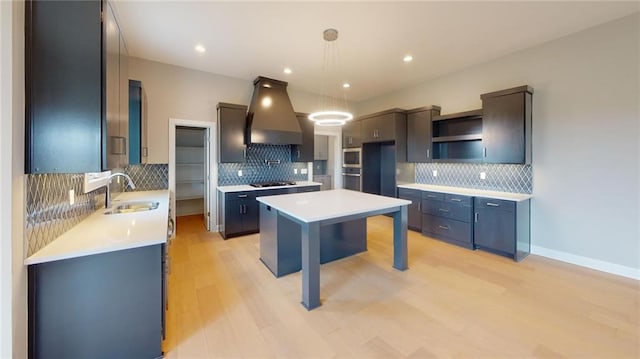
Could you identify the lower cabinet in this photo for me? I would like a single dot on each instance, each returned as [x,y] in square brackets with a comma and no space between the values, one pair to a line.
[414,211]
[502,227]
[240,214]
[240,210]
[107,305]
[448,217]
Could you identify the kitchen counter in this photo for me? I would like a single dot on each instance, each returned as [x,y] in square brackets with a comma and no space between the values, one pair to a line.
[469,192]
[100,233]
[246,187]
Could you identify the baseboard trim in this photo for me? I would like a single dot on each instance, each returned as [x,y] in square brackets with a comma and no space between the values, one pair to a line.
[596,264]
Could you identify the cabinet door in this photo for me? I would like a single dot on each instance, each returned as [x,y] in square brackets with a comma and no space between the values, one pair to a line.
[494,228]
[321,148]
[231,127]
[63,83]
[304,152]
[351,136]
[114,141]
[419,135]
[503,128]
[378,129]
[123,101]
[234,210]
[414,212]
[250,219]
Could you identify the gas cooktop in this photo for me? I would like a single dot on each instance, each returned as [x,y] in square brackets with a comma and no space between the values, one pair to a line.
[272,184]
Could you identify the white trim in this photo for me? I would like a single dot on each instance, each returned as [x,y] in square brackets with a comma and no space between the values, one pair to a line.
[213,167]
[608,267]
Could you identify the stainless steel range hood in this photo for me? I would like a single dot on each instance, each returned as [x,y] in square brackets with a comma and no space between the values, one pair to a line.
[271,119]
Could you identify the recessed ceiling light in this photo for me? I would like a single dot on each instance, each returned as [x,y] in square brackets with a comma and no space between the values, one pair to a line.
[200,48]
[407,58]
[346,85]
[287,70]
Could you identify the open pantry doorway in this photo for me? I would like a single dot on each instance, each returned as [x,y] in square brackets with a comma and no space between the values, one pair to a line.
[192,175]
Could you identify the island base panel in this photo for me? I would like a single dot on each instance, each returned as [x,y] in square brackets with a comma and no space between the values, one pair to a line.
[280,241]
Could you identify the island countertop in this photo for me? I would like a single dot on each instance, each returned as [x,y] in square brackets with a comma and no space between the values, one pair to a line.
[317,206]
[100,233]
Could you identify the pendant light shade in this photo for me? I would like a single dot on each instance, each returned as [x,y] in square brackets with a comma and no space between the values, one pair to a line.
[330,114]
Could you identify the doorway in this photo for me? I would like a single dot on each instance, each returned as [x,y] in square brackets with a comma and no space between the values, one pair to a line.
[192,175]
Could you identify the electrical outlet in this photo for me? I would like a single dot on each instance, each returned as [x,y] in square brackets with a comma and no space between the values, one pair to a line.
[483,175]
[303,171]
[295,171]
[435,173]
[72,197]
[239,173]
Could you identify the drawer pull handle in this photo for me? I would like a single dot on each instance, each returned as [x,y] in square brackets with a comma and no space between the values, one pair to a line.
[476,217]
[431,196]
[443,210]
[443,227]
[242,196]
[493,204]
[456,200]
[419,206]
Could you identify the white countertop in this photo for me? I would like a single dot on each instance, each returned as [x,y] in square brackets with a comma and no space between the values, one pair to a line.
[246,187]
[318,206]
[100,233]
[469,192]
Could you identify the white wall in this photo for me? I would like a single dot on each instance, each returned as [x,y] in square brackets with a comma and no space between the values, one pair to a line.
[13,281]
[178,92]
[585,138]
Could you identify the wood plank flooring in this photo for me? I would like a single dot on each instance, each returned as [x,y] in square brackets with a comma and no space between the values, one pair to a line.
[452,302]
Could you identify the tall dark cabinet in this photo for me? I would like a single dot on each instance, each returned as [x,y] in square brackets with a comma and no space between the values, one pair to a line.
[231,131]
[506,125]
[138,125]
[75,73]
[419,133]
[304,152]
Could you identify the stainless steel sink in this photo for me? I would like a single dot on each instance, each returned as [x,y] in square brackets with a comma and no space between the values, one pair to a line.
[129,207]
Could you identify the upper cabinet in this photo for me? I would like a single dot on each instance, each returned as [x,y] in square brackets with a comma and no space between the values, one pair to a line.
[419,133]
[321,148]
[75,72]
[506,125]
[138,125]
[351,136]
[231,132]
[384,126]
[304,152]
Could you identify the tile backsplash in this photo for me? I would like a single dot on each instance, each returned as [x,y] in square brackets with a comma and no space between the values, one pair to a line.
[48,213]
[255,168]
[499,177]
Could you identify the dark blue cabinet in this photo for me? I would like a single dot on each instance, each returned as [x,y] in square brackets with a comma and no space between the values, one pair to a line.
[502,227]
[74,70]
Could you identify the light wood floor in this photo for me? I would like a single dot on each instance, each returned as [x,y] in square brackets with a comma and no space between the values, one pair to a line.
[452,302]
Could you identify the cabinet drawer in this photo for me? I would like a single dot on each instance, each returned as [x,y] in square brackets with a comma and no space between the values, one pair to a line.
[407,192]
[240,195]
[445,228]
[504,205]
[433,195]
[447,210]
[458,199]
[306,189]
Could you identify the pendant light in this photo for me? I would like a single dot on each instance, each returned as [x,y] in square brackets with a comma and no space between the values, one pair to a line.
[330,114]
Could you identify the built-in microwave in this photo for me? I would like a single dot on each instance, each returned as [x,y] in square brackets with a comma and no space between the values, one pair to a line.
[352,157]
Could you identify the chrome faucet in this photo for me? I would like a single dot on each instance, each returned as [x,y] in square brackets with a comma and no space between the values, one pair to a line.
[108,198]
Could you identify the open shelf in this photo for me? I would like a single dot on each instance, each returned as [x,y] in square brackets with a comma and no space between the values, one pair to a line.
[457,137]
[472,137]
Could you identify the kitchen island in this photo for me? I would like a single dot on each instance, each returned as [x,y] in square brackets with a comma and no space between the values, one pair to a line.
[313,210]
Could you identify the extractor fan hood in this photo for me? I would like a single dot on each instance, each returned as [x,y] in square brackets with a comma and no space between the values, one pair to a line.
[271,119]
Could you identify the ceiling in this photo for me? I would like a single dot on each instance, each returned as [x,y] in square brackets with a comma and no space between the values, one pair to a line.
[247,39]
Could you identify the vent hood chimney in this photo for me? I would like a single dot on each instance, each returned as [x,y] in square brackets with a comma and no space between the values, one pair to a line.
[271,119]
